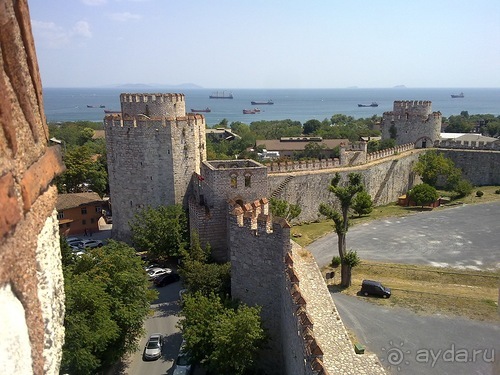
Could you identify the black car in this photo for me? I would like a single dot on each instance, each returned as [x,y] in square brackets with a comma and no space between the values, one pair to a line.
[166,279]
[374,288]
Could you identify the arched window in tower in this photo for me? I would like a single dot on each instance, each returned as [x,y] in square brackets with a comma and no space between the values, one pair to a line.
[234,181]
[248,180]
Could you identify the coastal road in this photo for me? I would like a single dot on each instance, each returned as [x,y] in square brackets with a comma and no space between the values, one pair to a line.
[462,236]
[414,344]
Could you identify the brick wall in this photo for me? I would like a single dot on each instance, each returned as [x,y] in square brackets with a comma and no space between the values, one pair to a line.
[31,280]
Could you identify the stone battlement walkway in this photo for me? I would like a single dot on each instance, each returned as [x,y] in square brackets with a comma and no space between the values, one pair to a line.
[338,351]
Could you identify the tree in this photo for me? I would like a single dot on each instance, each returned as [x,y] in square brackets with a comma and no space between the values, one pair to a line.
[311,126]
[224,338]
[432,165]
[282,208]
[161,231]
[345,195]
[84,171]
[350,261]
[362,203]
[108,297]
[463,188]
[423,194]
[199,275]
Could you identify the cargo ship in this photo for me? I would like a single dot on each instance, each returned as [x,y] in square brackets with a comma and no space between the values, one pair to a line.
[372,104]
[461,95]
[269,102]
[221,96]
[206,110]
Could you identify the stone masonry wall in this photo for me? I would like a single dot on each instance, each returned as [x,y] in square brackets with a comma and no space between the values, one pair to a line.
[385,180]
[414,122]
[151,162]
[480,167]
[31,279]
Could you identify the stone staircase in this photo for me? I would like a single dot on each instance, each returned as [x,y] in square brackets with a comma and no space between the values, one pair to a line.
[384,183]
[281,186]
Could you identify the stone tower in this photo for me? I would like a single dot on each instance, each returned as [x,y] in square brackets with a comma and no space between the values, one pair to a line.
[412,121]
[242,181]
[153,148]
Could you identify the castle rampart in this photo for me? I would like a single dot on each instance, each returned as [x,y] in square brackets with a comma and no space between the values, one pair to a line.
[151,157]
[412,121]
[153,105]
[307,335]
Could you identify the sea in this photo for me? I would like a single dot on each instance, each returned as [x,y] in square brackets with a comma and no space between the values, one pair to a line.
[71,104]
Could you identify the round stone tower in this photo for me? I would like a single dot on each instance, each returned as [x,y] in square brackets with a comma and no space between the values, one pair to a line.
[153,149]
[412,121]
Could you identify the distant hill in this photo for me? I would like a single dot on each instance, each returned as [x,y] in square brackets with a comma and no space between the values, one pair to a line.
[400,87]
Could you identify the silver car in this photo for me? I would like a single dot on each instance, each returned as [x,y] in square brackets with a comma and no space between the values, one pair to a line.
[152,350]
[182,363]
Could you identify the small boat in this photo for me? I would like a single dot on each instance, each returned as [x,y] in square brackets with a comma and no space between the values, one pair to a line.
[90,106]
[461,95]
[372,104]
[269,102]
[102,106]
[250,111]
[201,110]
[221,96]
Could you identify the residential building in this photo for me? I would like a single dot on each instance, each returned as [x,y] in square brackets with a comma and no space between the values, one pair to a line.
[79,213]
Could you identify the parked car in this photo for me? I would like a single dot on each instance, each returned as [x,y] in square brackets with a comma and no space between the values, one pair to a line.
[90,243]
[166,279]
[155,272]
[73,241]
[371,287]
[152,350]
[182,363]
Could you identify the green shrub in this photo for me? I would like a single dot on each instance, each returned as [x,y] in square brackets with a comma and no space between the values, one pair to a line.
[497,191]
[335,262]
[479,193]
[463,188]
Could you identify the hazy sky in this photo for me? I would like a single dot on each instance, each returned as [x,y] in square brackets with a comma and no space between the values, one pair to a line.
[268,43]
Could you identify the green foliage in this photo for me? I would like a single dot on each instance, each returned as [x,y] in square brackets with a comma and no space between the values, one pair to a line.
[225,339]
[161,231]
[199,275]
[282,208]
[345,194]
[463,188]
[393,131]
[431,165]
[74,133]
[107,300]
[497,191]
[362,203]
[351,259]
[336,261]
[479,193]
[276,129]
[311,126]
[84,170]
[423,194]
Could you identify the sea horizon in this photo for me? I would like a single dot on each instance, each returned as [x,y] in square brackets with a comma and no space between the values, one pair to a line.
[87,103]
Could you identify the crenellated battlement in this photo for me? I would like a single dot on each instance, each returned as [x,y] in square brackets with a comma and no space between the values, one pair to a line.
[151,98]
[153,105]
[412,107]
[117,120]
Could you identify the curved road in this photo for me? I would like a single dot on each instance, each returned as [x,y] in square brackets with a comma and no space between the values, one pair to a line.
[463,236]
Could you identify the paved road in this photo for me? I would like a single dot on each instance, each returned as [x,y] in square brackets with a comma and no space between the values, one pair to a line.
[412,344]
[164,321]
[462,236]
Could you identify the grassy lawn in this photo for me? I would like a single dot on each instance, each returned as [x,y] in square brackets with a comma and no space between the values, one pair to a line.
[429,290]
[424,289]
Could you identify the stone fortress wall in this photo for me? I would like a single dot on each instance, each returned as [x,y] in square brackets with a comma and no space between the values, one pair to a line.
[151,157]
[307,335]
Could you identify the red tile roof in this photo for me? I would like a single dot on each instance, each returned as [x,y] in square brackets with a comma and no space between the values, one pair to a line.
[65,201]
